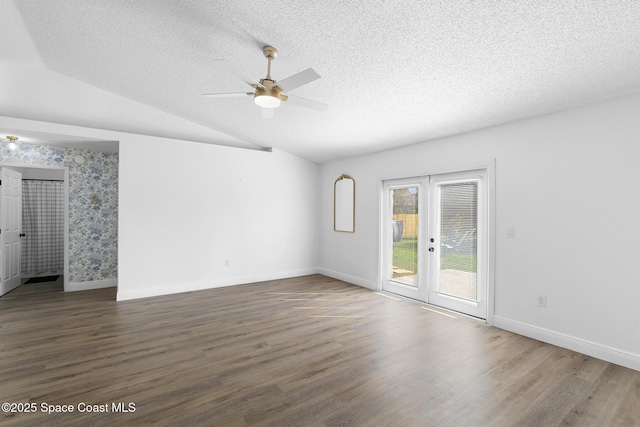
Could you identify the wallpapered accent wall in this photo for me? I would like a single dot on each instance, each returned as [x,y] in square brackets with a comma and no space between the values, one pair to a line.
[93,222]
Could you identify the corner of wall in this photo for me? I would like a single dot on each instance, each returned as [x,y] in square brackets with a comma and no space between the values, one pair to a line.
[349,279]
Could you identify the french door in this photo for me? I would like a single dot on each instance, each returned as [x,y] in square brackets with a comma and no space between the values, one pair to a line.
[435,240]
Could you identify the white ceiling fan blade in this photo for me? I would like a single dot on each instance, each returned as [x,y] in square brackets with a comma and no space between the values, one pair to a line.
[226,95]
[297,80]
[306,103]
[231,69]
[267,113]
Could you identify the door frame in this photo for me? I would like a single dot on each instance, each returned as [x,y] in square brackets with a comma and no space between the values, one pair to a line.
[418,292]
[479,307]
[456,167]
[65,170]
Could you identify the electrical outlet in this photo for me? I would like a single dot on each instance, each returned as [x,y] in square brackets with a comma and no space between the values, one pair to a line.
[542,301]
[227,262]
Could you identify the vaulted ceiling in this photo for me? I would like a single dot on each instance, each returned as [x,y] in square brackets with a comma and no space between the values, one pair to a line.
[393,72]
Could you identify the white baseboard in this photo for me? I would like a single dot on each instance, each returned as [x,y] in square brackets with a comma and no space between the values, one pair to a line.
[128,294]
[349,279]
[609,354]
[94,284]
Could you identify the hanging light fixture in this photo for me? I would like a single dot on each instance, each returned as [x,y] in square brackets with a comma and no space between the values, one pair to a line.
[12,142]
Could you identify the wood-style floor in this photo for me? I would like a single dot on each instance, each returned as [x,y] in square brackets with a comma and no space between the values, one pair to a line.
[309,351]
[29,289]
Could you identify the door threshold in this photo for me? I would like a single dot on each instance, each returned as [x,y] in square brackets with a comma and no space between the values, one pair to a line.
[431,307]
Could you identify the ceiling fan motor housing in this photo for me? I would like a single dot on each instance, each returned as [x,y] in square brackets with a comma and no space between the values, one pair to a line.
[268,96]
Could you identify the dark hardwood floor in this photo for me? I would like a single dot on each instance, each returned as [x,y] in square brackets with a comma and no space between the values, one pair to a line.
[309,351]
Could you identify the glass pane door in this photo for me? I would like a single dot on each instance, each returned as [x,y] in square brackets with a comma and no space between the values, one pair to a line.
[434,240]
[459,240]
[458,229]
[403,240]
[404,223]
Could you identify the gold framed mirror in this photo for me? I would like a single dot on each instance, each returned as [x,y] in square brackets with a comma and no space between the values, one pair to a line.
[344,204]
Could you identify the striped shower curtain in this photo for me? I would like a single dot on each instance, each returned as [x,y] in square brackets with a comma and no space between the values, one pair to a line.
[43,226]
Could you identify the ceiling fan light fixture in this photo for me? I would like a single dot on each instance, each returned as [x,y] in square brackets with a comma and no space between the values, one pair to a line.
[266,101]
[267,96]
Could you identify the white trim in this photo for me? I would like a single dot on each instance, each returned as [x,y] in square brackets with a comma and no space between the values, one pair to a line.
[478,308]
[65,170]
[462,166]
[167,289]
[387,284]
[491,241]
[488,170]
[65,277]
[94,284]
[609,354]
[369,284]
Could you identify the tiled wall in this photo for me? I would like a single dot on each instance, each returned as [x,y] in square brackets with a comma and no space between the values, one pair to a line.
[93,221]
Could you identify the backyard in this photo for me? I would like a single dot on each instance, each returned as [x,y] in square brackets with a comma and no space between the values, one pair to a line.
[457,274]
[405,258]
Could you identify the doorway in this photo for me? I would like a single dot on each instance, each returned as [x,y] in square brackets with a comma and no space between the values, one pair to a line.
[435,240]
[17,276]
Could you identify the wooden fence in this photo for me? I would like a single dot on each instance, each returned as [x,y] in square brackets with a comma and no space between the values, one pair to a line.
[410,221]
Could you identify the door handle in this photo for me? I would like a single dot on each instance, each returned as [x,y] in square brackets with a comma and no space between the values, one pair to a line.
[431,249]
[22,234]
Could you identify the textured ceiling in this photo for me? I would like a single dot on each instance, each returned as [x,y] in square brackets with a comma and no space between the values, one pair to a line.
[394,72]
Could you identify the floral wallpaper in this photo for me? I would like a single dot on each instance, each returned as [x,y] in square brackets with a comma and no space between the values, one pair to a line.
[93,205]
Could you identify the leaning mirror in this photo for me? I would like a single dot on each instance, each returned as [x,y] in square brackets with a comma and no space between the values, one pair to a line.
[344,198]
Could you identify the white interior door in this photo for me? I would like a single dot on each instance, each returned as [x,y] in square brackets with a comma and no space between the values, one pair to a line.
[435,240]
[10,229]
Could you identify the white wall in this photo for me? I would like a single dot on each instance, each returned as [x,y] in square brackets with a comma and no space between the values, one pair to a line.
[568,184]
[186,208]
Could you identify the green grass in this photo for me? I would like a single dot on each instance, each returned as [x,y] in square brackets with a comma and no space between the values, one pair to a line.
[461,262]
[405,256]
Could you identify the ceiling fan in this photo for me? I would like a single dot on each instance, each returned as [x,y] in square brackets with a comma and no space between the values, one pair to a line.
[269,93]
